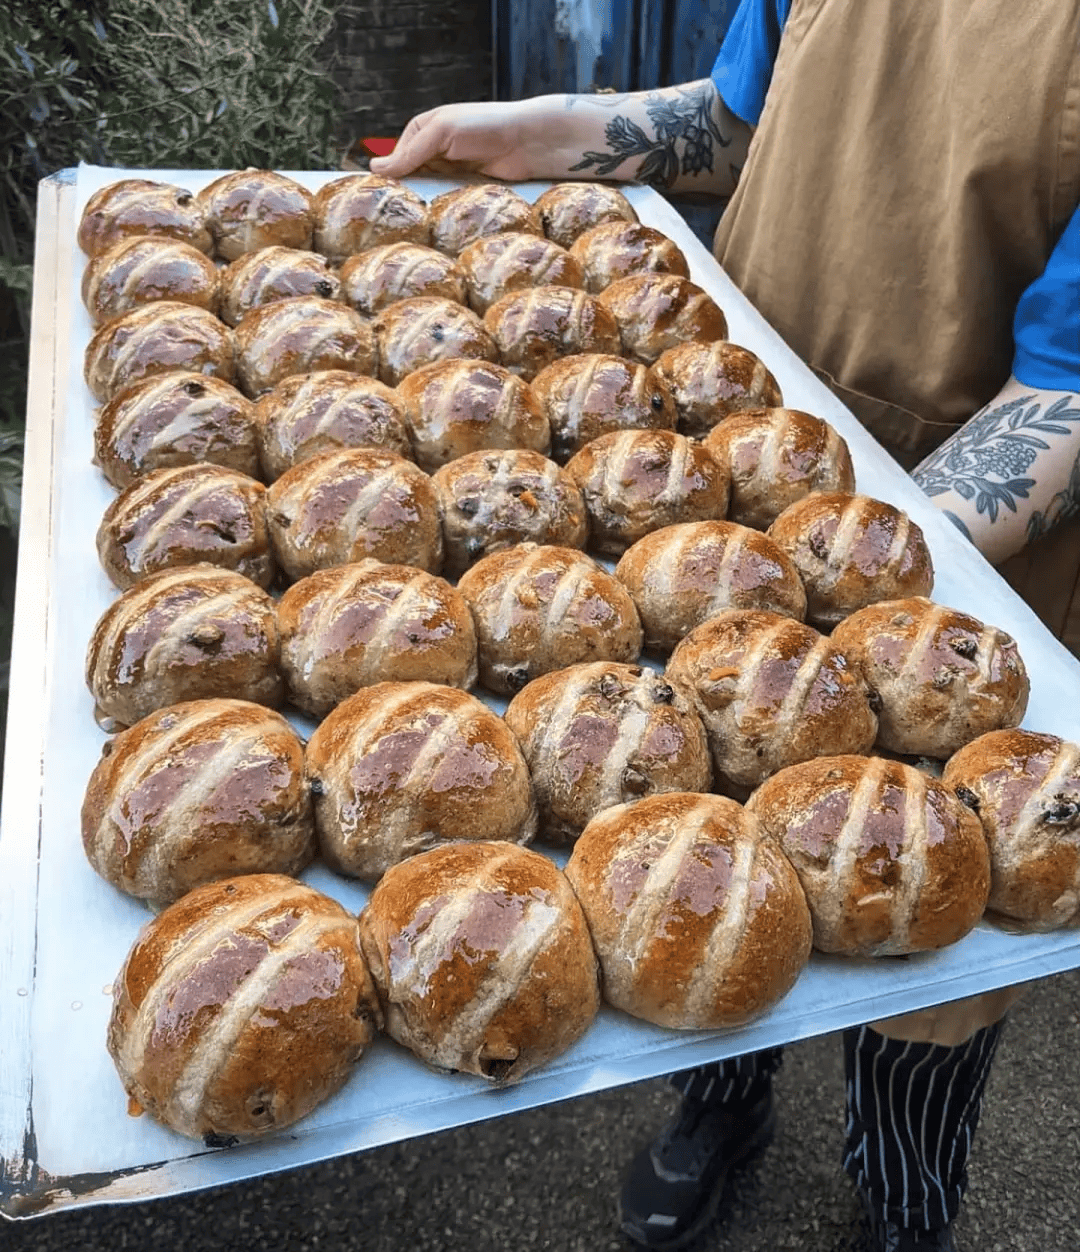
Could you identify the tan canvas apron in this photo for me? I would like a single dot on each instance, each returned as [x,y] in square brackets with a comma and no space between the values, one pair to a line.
[913,167]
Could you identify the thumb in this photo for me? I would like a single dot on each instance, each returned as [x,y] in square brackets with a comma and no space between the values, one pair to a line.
[419,141]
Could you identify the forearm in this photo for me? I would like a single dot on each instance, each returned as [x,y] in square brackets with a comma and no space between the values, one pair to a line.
[1010,473]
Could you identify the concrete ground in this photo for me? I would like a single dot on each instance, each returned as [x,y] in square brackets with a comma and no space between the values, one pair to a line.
[547,1179]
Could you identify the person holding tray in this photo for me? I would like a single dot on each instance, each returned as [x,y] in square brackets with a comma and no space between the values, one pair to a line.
[903,197]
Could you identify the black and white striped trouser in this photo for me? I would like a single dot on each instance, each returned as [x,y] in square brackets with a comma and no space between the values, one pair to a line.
[912,1111]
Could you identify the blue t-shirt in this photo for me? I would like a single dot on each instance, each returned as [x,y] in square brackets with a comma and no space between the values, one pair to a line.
[1046,328]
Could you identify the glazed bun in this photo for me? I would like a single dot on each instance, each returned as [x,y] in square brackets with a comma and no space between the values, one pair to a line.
[339,507]
[373,280]
[539,608]
[655,312]
[137,206]
[177,418]
[183,516]
[711,381]
[196,792]
[592,394]
[771,692]
[890,860]
[535,327]
[259,278]
[698,920]
[365,211]
[498,264]
[637,481]
[602,733]
[285,1006]
[139,270]
[617,250]
[399,768]
[775,457]
[462,216]
[482,959]
[682,575]
[567,210]
[852,551]
[356,625]
[1025,788]
[943,677]
[425,329]
[253,209]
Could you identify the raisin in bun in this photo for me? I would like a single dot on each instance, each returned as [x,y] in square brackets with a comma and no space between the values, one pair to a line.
[498,264]
[241,1008]
[196,792]
[602,733]
[364,211]
[252,209]
[327,409]
[425,329]
[852,551]
[682,575]
[399,768]
[137,206]
[594,394]
[139,270]
[711,381]
[187,634]
[655,312]
[1025,788]
[156,339]
[259,278]
[185,515]
[177,418]
[616,250]
[299,335]
[462,216]
[890,860]
[356,625]
[459,406]
[494,499]
[698,920]
[382,276]
[482,959]
[637,481]
[539,608]
[535,327]
[567,210]
[943,677]
[771,692]
[339,507]
[775,457]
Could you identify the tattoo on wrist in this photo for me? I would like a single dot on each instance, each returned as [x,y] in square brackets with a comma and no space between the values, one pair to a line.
[683,122]
[987,460]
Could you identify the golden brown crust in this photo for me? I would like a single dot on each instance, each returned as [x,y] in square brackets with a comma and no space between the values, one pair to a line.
[176,418]
[241,1008]
[492,500]
[851,551]
[699,922]
[339,507]
[566,211]
[637,481]
[482,959]
[775,457]
[1025,788]
[138,206]
[771,692]
[375,279]
[196,792]
[711,381]
[539,608]
[398,768]
[299,335]
[462,216]
[252,209]
[533,328]
[682,575]
[655,312]
[424,330]
[141,269]
[890,860]
[943,677]
[511,261]
[156,339]
[460,406]
[365,211]
[327,409]
[356,625]
[603,733]
[593,394]
[259,278]
[183,516]
[618,249]
[187,634]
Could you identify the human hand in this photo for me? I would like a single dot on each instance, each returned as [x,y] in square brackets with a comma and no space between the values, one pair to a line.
[475,138]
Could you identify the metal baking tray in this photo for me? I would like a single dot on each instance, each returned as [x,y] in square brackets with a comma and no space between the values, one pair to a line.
[65,1136]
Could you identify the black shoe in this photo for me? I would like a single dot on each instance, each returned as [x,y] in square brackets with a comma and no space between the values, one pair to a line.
[887,1237]
[674,1185]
